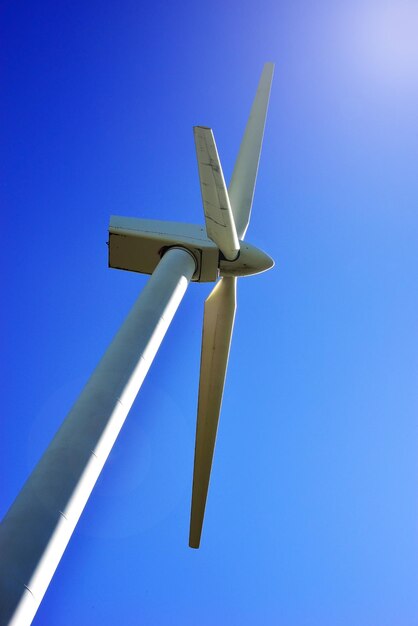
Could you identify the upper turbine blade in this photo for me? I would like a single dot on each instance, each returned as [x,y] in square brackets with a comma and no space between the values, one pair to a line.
[242,185]
[220,225]
[217,332]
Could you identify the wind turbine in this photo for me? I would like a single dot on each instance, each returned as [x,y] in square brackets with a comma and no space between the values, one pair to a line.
[37,528]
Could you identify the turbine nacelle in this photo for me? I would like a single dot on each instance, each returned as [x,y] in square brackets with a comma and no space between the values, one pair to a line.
[137,245]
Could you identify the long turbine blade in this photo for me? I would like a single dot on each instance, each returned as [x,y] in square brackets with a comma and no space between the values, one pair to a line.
[217,332]
[220,225]
[244,176]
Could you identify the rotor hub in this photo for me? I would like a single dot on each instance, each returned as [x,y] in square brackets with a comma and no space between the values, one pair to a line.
[250,260]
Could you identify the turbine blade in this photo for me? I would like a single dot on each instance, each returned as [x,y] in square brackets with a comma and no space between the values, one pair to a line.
[220,225]
[244,176]
[217,332]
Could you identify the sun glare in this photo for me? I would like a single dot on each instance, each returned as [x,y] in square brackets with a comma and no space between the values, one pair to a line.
[384,38]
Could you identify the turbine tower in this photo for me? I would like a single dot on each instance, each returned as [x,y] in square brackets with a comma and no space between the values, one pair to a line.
[37,528]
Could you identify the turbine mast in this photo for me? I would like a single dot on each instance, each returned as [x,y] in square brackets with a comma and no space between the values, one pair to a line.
[40,522]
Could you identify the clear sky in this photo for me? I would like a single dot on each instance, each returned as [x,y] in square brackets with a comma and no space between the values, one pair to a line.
[311,516]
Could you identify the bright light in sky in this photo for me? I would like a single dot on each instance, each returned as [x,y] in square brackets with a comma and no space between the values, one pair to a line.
[383,37]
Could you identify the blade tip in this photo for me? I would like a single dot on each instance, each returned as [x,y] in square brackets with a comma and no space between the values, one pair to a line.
[194,543]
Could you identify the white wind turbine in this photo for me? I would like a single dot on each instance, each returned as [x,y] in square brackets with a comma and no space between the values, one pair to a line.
[37,527]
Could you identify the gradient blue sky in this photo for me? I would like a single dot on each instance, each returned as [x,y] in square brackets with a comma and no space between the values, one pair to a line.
[312,516]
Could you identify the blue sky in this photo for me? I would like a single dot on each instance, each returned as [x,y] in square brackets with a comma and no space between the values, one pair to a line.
[311,516]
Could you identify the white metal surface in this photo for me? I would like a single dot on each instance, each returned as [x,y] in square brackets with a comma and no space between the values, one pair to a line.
[135,245]
[40,522]
[220,225]
[244,176]
[251,261]
[218,323]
